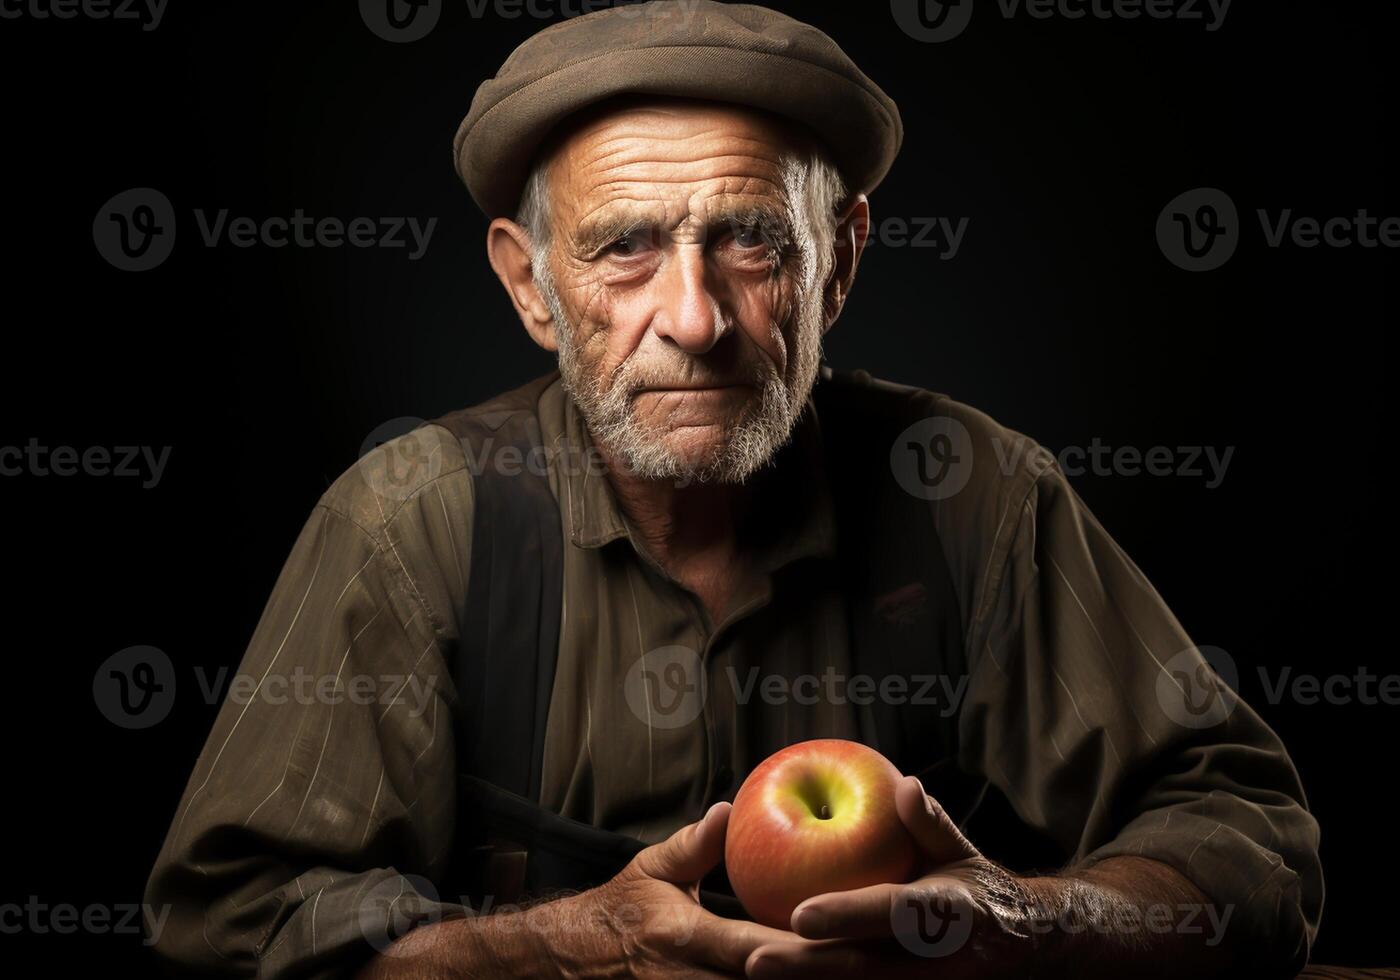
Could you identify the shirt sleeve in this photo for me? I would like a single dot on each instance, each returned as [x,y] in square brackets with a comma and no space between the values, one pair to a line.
[1091,709]
[321,808]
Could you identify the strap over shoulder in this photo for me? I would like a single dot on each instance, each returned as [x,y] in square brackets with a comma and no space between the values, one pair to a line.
[510,623]
[905,617]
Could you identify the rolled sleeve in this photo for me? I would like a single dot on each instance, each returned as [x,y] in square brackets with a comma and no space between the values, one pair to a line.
[1091,709]
[322,807]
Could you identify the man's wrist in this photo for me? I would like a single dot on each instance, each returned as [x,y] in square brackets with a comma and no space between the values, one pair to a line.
[1124,913]
[1009,913]
[577,935]
[1058,912]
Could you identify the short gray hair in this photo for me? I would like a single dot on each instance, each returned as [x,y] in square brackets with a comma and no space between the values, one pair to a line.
[533,216]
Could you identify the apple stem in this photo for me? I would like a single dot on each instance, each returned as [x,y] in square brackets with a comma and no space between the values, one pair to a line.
[826,812]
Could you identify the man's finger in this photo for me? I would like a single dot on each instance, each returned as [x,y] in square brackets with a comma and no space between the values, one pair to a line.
[861,913]
[929,824]
[804,960]
[873,912]
[727,944]
[688,854]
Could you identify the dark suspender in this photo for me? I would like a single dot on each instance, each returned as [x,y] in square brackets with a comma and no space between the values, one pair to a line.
[508,846]
[510,630]
[900,600]
[904,613]
[902,608]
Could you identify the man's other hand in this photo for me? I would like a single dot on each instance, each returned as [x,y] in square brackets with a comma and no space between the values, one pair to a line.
[647,922]
[650,913]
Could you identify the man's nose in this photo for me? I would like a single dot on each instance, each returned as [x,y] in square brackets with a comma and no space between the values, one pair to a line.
[689,315]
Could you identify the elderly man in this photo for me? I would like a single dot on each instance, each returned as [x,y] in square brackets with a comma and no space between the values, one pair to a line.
[563,610]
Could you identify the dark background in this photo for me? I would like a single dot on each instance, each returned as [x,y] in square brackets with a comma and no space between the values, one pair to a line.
[266,369]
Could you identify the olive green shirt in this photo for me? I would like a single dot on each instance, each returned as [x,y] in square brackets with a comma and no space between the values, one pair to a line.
[314,826]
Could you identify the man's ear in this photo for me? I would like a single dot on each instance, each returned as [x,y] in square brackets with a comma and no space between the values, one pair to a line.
[852,229]
[508,248]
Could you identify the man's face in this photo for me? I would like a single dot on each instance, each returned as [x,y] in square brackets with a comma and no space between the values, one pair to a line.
[686,332]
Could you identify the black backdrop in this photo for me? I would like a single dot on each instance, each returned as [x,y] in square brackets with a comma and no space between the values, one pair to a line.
[264,369]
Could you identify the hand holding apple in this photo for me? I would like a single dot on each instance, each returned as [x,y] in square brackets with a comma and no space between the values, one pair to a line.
[816,817]
[645,922]
[963,915]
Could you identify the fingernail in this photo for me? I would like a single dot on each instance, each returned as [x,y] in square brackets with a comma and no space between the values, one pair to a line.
[928,800]
[810,922]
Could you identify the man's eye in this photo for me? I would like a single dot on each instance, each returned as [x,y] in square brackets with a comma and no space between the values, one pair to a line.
[628,244]
[749,236]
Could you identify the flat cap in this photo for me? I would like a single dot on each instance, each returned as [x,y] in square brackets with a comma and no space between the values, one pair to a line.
[736,53]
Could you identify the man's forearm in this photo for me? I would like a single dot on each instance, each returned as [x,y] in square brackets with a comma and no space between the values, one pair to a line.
[472,946]
[549,939]
[1126,914]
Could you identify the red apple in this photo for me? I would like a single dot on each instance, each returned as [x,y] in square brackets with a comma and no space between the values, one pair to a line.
[815,817]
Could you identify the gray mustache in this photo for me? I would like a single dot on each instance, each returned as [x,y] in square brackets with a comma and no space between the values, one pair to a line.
[755,375]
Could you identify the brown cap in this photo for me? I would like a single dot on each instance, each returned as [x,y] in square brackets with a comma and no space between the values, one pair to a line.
[699,49]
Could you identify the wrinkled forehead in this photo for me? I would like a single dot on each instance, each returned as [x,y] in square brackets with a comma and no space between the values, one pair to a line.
[670,163]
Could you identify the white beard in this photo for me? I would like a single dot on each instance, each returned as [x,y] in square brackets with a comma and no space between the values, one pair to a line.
[747,445]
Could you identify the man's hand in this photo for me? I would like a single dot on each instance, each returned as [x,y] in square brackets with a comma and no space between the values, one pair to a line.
[963,912]
[968,917]
[646,922]
[654,923]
